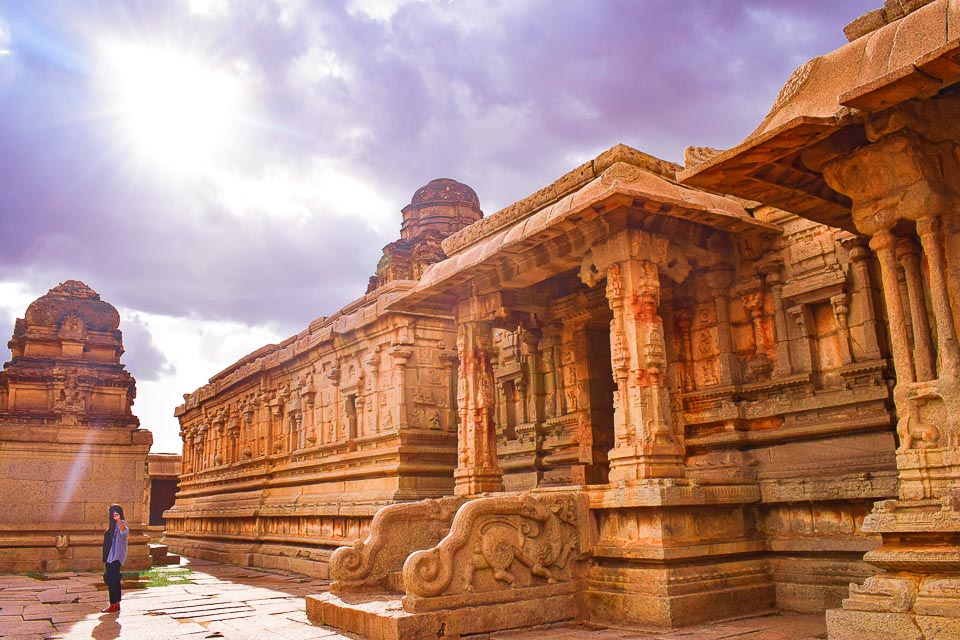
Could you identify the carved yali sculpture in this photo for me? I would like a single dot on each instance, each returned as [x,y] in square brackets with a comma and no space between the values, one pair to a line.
[396,531]
[497,544]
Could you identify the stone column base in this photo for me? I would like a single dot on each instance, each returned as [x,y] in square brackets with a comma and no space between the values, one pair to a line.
[473,481]
[672,597]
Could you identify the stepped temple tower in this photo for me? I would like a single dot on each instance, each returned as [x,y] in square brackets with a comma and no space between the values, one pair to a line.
[69,443]
[647,394]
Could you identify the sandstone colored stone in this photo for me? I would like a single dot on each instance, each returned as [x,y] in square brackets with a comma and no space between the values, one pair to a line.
[656,404]
[889,173]
[69,442]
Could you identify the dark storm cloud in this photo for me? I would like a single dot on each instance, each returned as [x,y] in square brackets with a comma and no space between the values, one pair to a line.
[141,356]
[504,96]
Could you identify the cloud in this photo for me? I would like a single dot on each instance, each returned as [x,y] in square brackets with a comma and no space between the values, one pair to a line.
[141,355]
[200,348]
[347,109]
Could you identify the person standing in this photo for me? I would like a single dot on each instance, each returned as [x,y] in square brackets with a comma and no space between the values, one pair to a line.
[114,554]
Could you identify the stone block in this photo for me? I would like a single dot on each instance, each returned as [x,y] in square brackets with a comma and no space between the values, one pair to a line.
[936,627]
[864,625]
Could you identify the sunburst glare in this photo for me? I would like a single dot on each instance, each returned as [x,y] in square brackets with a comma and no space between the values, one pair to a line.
[174,109]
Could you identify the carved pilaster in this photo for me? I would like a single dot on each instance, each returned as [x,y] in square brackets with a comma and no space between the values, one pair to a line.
[719,280]
[477,470]
[400,354]
[333,431]
[784,365]
[865,334]
[531,389]
[684,321]
[552,379]
[373,369]
[759,365]
[841,310]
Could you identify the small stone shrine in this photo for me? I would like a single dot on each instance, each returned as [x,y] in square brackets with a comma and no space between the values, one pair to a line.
[69,443]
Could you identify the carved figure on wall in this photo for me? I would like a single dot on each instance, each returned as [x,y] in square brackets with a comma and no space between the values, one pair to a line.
[916,434]
[70,399]
[73,327]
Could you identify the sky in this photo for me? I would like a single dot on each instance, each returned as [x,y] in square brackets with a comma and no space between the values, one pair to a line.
[225,171]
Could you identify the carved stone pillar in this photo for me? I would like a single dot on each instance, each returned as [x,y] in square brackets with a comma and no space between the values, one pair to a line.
[928,228]
[909,255]
[883,244]
[449,360]
[478,470]
[897,179]
[645,444]
[552,380]
[719,280]
[532,411]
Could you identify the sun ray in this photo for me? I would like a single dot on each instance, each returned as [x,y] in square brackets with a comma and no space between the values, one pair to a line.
[174,109]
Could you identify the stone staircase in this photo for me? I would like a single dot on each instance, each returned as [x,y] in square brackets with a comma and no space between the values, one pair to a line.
[159,553]
[161,556]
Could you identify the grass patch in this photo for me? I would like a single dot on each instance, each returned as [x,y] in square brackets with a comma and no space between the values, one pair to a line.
[162,577]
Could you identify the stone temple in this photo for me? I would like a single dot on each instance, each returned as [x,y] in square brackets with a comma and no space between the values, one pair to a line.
[647,394]
[70,445]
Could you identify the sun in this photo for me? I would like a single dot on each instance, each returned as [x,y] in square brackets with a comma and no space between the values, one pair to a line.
[175,110]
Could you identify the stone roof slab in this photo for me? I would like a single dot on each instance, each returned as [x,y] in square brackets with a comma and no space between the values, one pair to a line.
[914,56]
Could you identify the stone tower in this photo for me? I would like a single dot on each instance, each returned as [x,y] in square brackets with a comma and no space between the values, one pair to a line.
[438,209]
[69,442]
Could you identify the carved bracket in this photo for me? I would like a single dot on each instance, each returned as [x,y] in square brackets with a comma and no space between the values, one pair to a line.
[499,548]
[397,531]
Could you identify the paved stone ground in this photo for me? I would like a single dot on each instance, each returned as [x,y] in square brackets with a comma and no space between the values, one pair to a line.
[235,603]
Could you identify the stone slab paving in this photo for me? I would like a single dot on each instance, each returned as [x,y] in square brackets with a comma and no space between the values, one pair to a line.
[220,601]
[236,603]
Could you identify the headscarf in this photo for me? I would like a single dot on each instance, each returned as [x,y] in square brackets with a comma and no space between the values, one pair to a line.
[108,534]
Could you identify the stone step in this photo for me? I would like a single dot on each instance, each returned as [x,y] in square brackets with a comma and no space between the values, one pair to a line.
[168,559]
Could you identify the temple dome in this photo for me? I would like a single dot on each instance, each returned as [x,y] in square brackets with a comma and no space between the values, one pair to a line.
[444,191]
[72,298]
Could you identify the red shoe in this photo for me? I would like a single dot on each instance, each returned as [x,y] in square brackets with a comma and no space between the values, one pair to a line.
[113,608]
